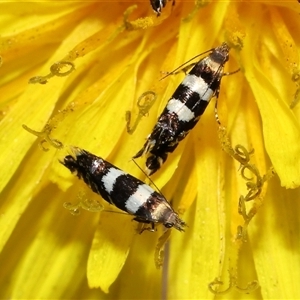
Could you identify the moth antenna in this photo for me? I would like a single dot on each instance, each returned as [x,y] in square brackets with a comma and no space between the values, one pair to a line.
[185,63]
[151,181]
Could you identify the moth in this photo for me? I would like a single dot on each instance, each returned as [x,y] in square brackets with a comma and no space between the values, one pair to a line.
[122,190]
[185,107]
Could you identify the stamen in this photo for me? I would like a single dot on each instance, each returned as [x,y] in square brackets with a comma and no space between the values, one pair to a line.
[159,249]
[148,99]
[45,136]
[84,203]
[55,70]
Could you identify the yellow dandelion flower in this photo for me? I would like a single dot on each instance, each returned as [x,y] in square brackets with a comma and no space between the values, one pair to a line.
[87,74]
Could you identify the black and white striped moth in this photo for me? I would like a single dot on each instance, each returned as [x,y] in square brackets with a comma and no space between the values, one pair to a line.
[158,5]
[185,107]
[122,190]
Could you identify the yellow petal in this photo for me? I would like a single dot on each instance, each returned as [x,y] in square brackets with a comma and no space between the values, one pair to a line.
[276,244]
